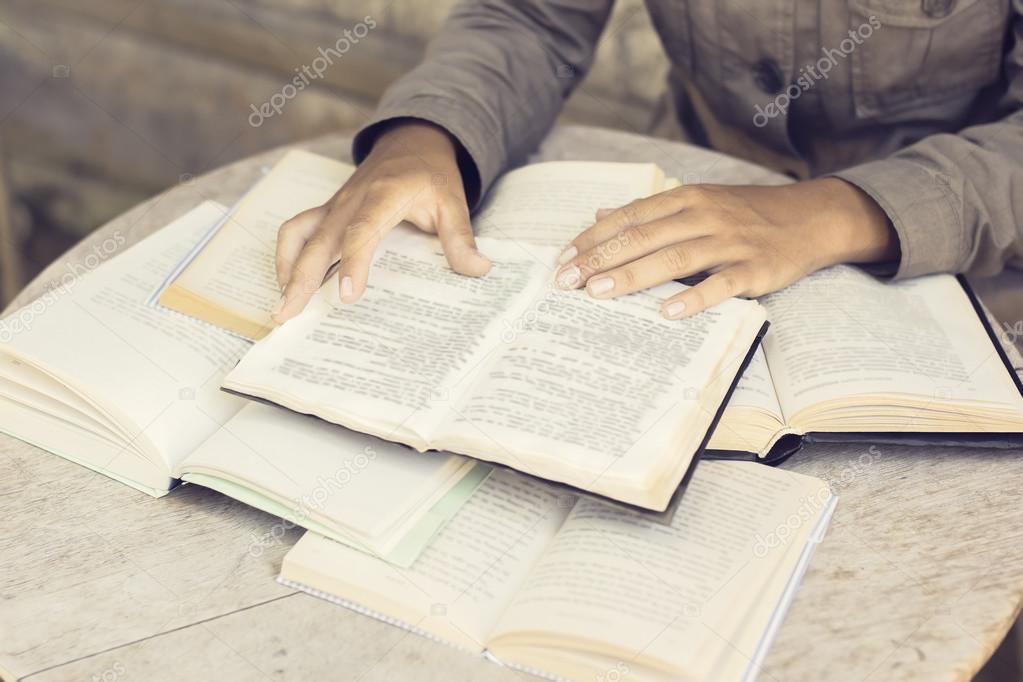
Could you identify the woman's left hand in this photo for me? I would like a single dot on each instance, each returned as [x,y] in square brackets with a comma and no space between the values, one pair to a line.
[751,239]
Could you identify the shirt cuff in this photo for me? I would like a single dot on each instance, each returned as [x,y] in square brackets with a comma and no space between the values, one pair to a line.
[477,162]
[922,207]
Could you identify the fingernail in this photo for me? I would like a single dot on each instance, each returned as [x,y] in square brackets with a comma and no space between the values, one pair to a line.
[674,309]
[279,306]
[603,212]
[346,287]
[599,286]
[570,278]
[567,255]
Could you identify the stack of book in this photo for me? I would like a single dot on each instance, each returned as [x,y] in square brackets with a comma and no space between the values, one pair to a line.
[560,523]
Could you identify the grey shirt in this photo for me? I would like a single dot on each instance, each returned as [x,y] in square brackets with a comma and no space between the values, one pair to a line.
[917,102]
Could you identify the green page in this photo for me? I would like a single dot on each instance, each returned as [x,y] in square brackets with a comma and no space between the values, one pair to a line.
[142,487]
[410,547]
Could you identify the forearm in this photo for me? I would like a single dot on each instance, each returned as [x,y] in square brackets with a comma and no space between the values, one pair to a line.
[955,201]
[495,78]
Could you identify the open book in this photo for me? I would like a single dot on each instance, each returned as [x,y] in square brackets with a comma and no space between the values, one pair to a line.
[848,354]
[91,373]
[505,368]
[576,589]
[232,281]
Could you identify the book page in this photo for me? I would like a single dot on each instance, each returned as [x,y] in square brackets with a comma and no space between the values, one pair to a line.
[459,585]
[610,386]
[755,389]
[156,373]
[363,488]
[840,332]
[233,281]
[753,415]
[616,582]
[550,203]
[388,361]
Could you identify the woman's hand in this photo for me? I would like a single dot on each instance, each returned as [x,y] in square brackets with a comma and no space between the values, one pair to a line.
[410,174]
[752,239]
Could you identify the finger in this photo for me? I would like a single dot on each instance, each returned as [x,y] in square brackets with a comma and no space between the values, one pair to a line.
[292,236]
[718,287]
[367,226]
[664,265]
[631,244]
[604,212]
[458,242]
[634,213]
[319,252]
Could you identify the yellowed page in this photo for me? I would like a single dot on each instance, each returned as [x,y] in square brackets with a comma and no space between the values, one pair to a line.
[232,283]
[753,414]
[613,582]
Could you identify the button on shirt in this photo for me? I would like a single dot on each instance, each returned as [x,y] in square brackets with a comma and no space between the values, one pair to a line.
[916,102]
[768,76]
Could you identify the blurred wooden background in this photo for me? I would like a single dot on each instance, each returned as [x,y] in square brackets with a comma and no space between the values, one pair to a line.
[107,102]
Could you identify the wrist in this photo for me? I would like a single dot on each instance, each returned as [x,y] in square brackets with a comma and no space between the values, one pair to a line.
[417,136]
[855,228]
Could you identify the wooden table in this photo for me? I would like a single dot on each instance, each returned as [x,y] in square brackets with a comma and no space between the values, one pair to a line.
[919,578]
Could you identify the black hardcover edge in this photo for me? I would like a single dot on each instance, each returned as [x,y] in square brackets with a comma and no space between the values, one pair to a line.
[785,447]
[992,334]
[736,455]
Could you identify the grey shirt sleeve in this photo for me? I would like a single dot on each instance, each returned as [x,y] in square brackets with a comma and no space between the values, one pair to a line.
[956,201]
[495,78]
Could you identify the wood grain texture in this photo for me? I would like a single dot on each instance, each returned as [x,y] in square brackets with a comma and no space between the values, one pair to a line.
[919,578]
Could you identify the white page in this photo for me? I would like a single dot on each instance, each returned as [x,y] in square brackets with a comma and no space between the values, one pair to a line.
[549,204]
[402,349]
[755,389]
[357,482]
[840,332]
[155,371]
[458,586]
[607,385]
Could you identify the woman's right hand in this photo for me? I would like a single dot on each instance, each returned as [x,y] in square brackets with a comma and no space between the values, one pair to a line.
[410,174]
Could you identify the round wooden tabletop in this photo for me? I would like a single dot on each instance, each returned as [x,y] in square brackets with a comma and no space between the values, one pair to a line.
[919,577]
